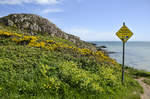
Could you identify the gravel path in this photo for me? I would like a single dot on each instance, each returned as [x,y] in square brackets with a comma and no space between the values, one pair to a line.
[146,88]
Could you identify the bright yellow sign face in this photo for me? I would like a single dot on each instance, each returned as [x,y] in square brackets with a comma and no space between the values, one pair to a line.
[124,33]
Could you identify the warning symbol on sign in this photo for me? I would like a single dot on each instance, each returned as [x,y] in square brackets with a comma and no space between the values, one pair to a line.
[124,33]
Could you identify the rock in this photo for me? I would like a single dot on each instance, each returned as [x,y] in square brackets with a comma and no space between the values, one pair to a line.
[25,25]
[10,23]
[111,52]
[93,43]
[99,48]
[35,24]
[66,36]
[102,46]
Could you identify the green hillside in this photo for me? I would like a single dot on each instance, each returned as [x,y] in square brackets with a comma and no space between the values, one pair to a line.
[45,67]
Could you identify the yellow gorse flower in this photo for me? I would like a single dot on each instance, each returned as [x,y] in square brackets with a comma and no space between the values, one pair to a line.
[33,41]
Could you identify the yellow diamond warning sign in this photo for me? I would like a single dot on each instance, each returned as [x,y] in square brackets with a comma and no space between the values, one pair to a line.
[124,33]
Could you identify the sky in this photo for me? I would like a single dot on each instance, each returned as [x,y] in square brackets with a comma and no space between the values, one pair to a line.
[91,20]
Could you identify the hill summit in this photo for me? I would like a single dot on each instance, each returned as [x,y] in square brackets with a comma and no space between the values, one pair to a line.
[35,24]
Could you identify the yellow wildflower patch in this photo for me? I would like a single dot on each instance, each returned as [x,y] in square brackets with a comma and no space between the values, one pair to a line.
[33,41]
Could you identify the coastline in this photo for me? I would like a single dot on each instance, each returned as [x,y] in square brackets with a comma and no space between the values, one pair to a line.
[102,48]
[136,55]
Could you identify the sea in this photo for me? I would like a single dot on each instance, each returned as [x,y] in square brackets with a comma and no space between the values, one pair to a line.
[137,53]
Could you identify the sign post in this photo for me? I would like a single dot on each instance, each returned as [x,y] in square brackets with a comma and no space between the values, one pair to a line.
[124,34]
[123,57]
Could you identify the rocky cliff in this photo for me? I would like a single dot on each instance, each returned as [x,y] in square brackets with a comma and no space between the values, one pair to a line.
[35,24]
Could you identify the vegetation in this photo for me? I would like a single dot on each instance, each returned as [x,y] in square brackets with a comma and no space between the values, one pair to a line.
[42,67]
[138,73]
[147,81]
[135,73]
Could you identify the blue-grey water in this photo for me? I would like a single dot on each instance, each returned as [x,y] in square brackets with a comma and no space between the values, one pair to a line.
[137,54]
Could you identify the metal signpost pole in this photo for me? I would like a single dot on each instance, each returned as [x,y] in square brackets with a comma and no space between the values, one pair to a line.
[123,57]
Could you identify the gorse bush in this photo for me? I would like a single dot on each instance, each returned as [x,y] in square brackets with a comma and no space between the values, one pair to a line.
[73,76]
[38,67]
[79,78]
[34,41]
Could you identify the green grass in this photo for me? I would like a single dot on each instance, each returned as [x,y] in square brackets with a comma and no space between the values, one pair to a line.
[138,73]
[35,73]
[56,39]
[147,81]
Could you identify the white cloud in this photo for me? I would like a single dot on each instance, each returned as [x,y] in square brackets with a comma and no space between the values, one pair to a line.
[47,1]
[91,35]
[51,10]
[11,2]
[14,2]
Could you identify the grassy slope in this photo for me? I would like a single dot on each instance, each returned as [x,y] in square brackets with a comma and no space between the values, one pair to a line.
[135,73]
[138,74]
[32,72]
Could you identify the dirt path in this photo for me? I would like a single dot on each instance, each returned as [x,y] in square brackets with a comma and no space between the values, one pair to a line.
[146,88]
